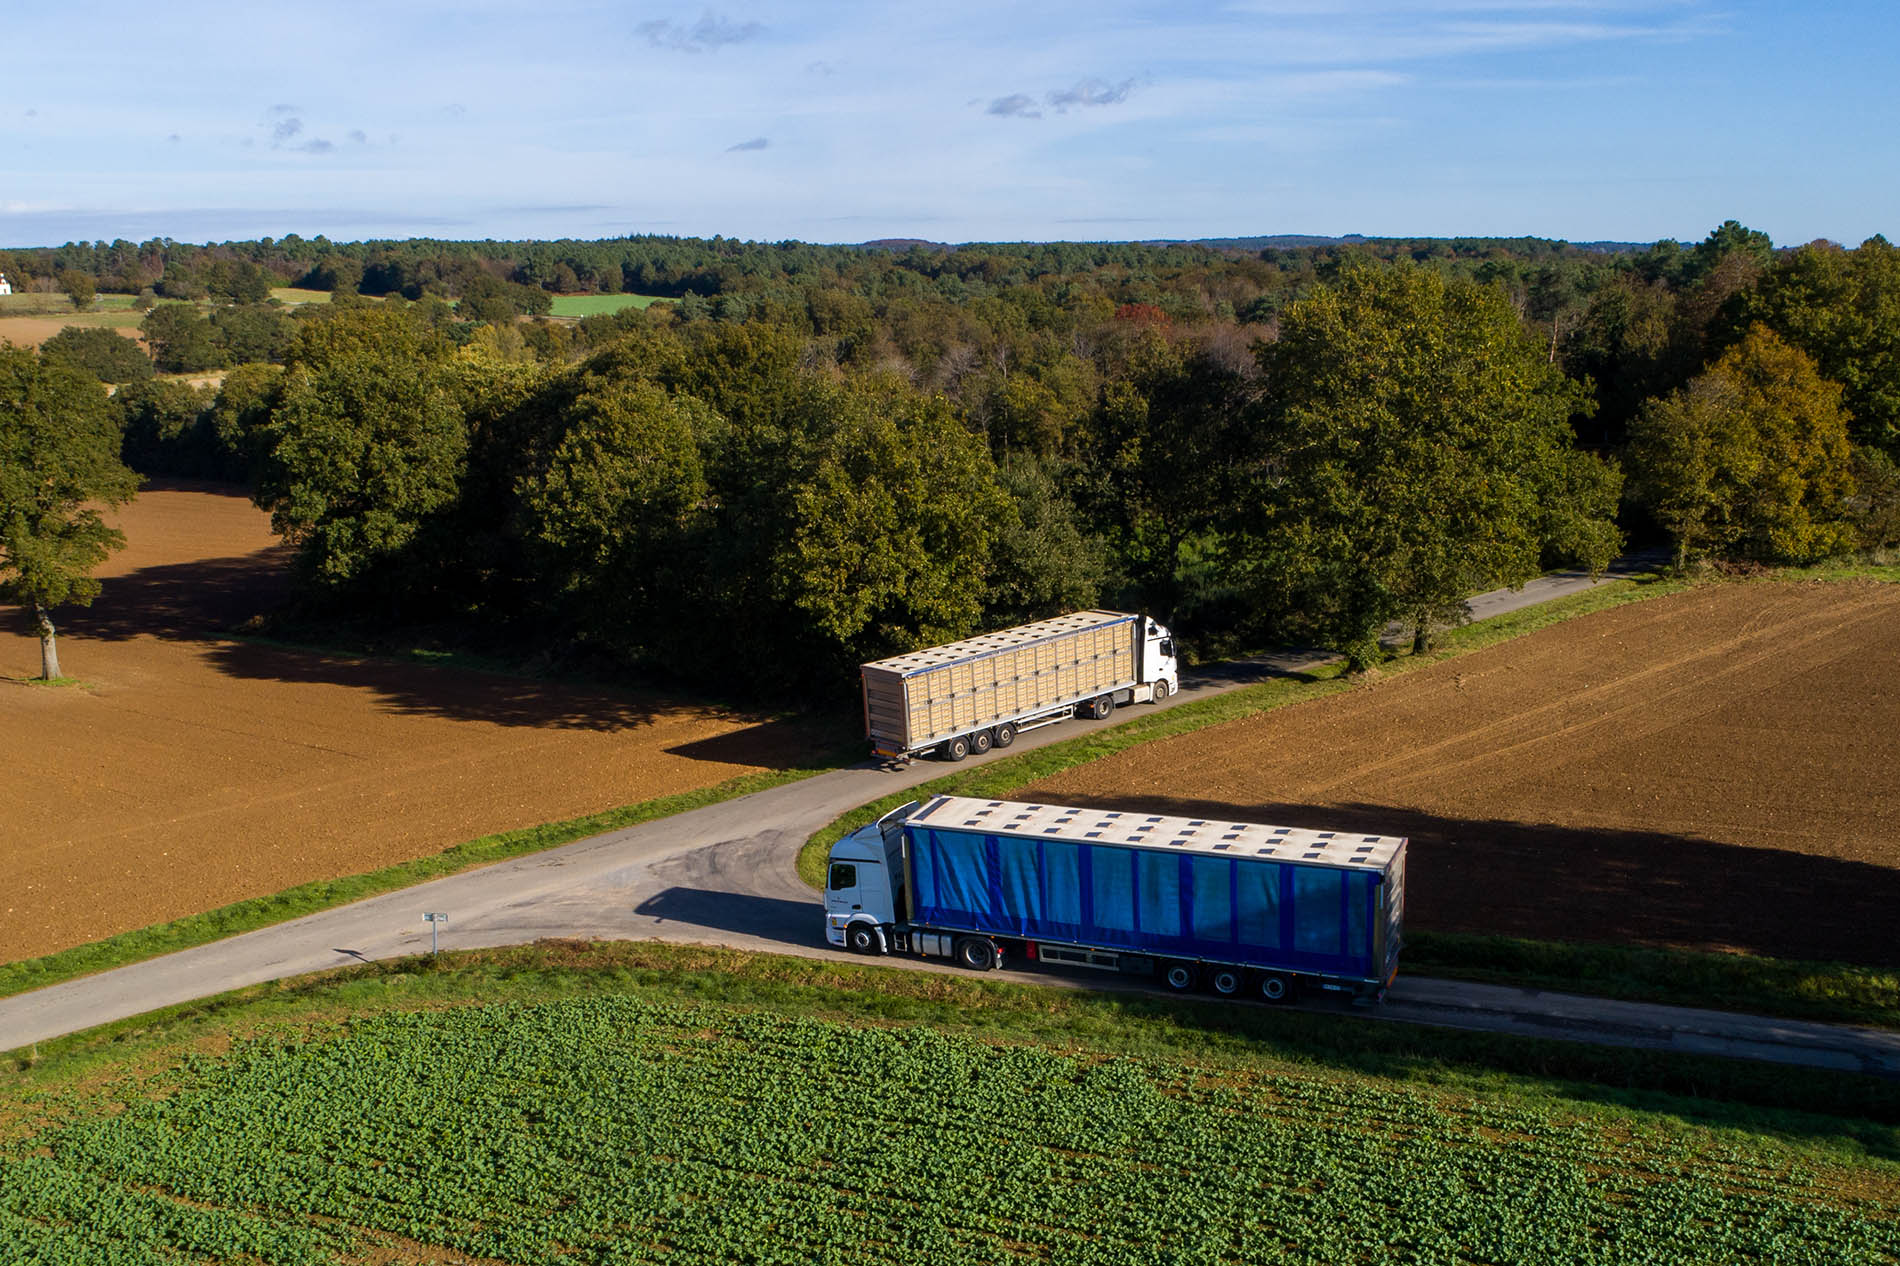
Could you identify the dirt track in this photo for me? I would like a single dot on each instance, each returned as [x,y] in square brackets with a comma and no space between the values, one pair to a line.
[1717,769]
[190,772]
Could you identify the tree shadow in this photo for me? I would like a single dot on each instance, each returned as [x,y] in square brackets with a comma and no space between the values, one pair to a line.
[203,601]
[198,599]
[1549,882]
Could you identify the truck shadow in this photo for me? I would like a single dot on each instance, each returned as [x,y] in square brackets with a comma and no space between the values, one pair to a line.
[1550,882]
[777,919]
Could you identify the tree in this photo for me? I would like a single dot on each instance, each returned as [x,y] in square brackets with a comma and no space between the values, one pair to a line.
[182,339]
[59,461]
[1413,440]
[1750,460]
[1843,309]
[79,287]
[365,445]
[105,354]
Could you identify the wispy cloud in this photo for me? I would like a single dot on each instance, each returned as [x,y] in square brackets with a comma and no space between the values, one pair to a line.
[757,142]
[1017,105]
[709,33]
[1090,92]
[1084,94]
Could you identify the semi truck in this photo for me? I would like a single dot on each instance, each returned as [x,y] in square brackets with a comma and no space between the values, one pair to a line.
[1233,908]
[969,696]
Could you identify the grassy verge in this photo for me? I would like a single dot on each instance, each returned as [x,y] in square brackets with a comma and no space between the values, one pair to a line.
[1833,993]
[293,903]
[1859,1116]
[1829,992]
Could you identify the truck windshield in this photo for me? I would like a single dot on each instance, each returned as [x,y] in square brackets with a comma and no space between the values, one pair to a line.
[843,875]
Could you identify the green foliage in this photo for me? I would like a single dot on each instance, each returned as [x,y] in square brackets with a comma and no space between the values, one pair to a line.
[59,461]
[1042,562]
[1415,451]
[1750,460]
[610,1129]
[168,431]
[1843,309]
[182,338]
[105,354]
[79,287]
[364,446]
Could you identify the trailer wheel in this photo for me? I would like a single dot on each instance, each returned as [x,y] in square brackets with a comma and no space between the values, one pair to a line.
[1101,706]
[1005,734]
[861,938]
[976,953]
[1161,690]
[980,742]
[956,748]
[1225,982]
[1178,977]
[1275,988]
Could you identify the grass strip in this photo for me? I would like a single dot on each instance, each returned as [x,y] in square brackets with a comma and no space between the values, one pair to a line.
[1832,993]
[324,894]
[1846,1113]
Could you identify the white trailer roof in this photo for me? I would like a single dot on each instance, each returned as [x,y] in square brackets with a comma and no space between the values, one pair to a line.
[1218,837]
[1021,635]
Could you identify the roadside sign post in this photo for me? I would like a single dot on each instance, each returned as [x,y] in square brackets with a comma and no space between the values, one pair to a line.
[435,921]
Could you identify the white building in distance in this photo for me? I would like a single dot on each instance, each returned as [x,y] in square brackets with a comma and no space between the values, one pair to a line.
[6,287]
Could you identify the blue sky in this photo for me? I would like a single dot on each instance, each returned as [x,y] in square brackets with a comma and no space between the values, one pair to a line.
[842,122]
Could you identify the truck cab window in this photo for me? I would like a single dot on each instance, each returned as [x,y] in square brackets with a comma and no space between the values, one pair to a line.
[843,876]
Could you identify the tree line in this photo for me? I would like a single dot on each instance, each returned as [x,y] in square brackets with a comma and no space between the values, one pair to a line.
[820,455]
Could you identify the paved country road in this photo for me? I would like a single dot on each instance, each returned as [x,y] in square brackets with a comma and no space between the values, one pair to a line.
[725,875]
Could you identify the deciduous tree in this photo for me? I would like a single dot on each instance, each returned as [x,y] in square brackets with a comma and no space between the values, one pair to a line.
[59,462]
[1750,460]
[1414,438]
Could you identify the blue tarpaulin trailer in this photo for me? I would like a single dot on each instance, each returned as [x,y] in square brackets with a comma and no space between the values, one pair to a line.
[1231,905]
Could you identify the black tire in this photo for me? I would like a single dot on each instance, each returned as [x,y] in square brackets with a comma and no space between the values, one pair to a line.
[1178,976]
[861,938]
[980,742]
[1274,988]
[1005,734]
[956,748]
[1161,690]
[976,953]
[1224,981]
[1101,706]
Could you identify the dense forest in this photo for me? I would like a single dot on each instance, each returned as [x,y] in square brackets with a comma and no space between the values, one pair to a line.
[816,455]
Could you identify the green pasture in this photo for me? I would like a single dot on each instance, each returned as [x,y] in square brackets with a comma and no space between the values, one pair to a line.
[601,305]
[291,296]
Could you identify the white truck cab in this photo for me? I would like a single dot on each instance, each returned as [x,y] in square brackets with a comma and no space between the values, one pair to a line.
[864,883]
[1160,672]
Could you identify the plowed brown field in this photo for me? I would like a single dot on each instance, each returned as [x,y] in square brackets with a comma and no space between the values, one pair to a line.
[189,772]
[1718,769]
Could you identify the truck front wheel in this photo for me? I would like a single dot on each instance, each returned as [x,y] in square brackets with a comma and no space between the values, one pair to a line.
[1161,690]
[861,938]
[976,953]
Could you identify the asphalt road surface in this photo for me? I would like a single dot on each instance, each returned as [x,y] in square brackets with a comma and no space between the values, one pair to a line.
[724,875]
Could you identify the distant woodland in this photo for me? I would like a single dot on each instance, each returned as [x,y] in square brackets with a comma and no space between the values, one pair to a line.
[817,455]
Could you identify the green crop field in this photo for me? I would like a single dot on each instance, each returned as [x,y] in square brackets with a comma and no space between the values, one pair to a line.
[615,1129]
[599,305]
